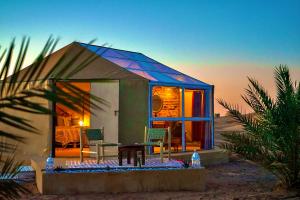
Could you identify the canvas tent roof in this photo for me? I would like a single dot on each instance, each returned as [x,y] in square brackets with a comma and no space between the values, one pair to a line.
[143,66]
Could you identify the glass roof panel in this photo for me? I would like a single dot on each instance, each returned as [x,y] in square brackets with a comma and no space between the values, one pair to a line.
[112,53]
[144,74]
[146,66]
[128,64]
[163,68]
[183,78]
[143,66]
[136,56]
[162,76]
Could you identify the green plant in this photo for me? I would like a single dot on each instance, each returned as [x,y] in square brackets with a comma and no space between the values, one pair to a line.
[10,169]
[16,95]
[272,132]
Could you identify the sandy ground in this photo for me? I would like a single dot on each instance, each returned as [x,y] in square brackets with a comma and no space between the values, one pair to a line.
[238,179]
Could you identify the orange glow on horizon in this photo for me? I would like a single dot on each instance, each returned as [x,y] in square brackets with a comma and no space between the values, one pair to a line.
[230,81]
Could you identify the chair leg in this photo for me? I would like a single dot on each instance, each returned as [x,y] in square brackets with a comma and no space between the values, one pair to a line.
[169,152]
[143,156]
[161,152]
[98,153]
[102,150]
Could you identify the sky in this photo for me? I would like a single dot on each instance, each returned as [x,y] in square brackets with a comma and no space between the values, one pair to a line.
[219,42]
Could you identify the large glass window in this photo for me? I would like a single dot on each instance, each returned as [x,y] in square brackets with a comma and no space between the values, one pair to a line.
[194,103]
[166,101]
[176,133]
[197,135]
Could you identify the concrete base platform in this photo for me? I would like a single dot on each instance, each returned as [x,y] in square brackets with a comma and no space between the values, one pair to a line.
[118,181]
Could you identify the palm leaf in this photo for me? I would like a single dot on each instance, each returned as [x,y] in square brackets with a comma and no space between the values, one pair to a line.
[10,188]
[257,97]
[241,143]
[246,120]
[16,95]
[272,137]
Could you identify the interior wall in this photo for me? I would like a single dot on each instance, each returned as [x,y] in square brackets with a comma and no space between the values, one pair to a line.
[74,117]
[170,98]
[133,113]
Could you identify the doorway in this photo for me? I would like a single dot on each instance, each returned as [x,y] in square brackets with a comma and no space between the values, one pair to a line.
[68,122]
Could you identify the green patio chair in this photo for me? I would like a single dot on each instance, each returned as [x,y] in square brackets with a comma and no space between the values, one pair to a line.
[95,137]
[157,137]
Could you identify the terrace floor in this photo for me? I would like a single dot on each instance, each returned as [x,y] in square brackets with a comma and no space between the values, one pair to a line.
[208,157]
[114,163]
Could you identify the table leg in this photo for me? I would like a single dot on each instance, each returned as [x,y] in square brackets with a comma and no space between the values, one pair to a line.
[98,152]
[128,157]
[134,158]
[143,156]
[102,150]
[120,158]
[161,152]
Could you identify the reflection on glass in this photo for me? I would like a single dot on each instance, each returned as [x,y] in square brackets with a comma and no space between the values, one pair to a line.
[197,135]
[169,100]
[144,74]
[176,134]
[194,103]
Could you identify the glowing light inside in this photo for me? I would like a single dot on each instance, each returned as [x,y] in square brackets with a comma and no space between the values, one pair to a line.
[81,123]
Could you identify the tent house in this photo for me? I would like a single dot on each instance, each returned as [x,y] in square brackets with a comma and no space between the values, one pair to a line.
[140,91]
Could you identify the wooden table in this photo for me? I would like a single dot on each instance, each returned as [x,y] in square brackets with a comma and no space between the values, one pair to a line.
[131,150]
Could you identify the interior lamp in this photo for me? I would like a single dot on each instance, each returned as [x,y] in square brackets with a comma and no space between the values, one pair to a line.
[81,123]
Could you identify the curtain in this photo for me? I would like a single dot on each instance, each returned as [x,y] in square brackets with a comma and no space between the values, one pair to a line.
[198,127]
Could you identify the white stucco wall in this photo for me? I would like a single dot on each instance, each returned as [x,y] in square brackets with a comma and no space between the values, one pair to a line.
[34,144]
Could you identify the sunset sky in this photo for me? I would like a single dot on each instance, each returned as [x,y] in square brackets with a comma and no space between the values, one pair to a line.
[219,42]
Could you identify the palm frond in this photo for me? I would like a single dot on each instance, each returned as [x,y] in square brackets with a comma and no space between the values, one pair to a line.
[284,83]
[19,63]
[17,95]
[18,91]
[5,68]
[241,143]
[257,96]
[272,137]
[10,188]
[247,121]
